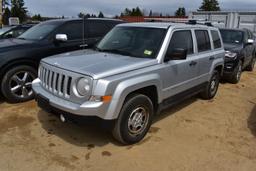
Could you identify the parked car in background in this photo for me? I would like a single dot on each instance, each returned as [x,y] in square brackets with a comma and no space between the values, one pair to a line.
[136,70]
[240,52]
[14,31]
[19,57]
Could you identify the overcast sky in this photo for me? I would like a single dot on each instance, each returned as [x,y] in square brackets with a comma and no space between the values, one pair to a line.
[113,7]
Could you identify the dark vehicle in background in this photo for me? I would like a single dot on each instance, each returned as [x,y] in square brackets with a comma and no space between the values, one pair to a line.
[14,31]
[240,53]
[20,57]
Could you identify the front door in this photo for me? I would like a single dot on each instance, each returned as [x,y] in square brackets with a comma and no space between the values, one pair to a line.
[180,75]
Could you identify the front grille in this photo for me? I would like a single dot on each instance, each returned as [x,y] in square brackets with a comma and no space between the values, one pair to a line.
[55,82]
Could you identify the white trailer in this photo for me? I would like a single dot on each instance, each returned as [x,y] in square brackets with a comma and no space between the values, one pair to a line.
[224,19]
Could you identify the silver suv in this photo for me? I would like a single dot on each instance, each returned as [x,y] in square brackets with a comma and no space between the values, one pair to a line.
[137,70]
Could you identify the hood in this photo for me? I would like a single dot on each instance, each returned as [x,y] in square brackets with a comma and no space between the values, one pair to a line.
[5,44]
[233,47]
[98,64]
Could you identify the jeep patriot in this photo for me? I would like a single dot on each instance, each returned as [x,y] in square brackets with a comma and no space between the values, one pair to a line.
[135,71]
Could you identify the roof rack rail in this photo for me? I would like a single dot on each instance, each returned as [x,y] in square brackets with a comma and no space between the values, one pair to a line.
[200,22]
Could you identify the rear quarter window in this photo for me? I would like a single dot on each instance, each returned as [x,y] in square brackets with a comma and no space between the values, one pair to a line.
[216,39]
[203,40]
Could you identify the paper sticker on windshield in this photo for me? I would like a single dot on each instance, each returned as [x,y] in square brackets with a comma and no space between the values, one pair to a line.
[148,52]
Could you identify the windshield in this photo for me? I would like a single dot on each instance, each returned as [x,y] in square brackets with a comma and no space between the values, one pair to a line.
[5,29]
[133,41]
[39,32]
[232,36]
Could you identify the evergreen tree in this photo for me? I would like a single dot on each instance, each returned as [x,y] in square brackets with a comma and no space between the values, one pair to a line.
[181,12]
[150,13]
[37,17]
[210,5]
[6,16]
[19,10]
[101,15]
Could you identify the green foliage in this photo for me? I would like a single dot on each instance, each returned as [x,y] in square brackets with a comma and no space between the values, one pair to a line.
[181,12]
[19,10]
[132,12]
[210,5]
[101,15]
[37,17]
[6,16]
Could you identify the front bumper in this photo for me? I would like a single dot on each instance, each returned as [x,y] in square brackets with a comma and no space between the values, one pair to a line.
[88,108]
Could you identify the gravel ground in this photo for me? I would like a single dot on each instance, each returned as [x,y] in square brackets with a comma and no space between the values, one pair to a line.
[195,135]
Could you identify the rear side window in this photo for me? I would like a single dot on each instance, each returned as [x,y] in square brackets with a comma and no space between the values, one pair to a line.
[97,29]
[216,39]
[74,30]
[203,40]
[181,39]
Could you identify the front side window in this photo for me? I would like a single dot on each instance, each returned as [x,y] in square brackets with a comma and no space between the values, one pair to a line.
[203,40]
[133,41]
[216,39]
[181,40]
[73,30]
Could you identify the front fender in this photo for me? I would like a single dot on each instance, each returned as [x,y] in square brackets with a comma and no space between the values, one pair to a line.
[126,87]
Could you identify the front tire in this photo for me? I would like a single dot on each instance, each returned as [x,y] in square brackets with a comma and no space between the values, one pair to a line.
[134,120]
[251,65]
[16,84]
[236,76]
[212,87]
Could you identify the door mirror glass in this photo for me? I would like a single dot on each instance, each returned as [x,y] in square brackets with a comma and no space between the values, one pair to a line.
[61,37]
[176,54]
[250,41]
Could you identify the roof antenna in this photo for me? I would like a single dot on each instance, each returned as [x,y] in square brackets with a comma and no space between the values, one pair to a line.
[83,31]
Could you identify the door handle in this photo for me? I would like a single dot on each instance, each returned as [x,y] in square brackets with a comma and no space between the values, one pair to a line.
[192,63]
[211,58]
[85,45]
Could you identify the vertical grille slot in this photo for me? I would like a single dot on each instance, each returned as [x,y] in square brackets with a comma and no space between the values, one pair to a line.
[69,85]
[56,82]
[62,84]
[52,78]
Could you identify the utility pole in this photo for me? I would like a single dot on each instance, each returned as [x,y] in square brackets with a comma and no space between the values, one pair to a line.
[1,13]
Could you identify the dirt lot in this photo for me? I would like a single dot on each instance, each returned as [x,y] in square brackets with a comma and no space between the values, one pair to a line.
[195,135]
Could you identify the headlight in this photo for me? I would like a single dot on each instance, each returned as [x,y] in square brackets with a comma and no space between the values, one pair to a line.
[230,54]
[83,86]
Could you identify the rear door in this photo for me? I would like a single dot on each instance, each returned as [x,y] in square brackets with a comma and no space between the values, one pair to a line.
[180,75]
[204,53]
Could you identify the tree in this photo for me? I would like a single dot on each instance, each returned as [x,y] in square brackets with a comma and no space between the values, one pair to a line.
[181,12]
[132,12]
[6,16]
[210,5]
[37,17]
[19,10]
[101,15]
[150,13]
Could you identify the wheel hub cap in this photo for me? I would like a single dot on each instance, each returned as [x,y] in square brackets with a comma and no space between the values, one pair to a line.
[138,121]
[21,84]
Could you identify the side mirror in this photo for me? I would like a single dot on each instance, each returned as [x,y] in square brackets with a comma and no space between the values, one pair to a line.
[250,41]
[61,37]
[176,54]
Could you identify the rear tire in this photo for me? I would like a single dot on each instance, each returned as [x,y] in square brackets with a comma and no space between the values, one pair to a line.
[250,67]
[236,76]
[212,87]
[134,120]
[16,85]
